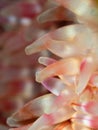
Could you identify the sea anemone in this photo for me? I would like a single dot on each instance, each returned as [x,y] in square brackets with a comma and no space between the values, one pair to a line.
[72,78]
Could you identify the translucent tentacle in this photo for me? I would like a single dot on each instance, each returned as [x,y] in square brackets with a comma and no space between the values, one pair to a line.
[65,66]
[67,33]
[56,86]
[76,6]
[63,49]
[77,126]
[33,109]
[86,120]
[46,104]
[71,40]
[13,123]
[86,11]
[90,107]
[68,80]
[87,68]
[55,14]
[94,80]
[86,96]
[53,118]
[46,60]
[38,45]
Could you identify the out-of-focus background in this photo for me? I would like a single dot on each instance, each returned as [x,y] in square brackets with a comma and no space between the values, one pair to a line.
[19,28]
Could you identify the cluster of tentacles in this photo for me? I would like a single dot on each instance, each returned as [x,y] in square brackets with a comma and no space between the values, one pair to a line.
[73,79]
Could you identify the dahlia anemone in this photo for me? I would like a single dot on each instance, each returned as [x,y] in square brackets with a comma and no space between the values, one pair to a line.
[72,79]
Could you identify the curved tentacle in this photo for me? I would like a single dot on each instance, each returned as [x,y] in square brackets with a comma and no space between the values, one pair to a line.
[53,118]
[86,120]
[68,66]
[46,60]
[33,109]
[86,10]
[64,41]
[87,68]
[55,14]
